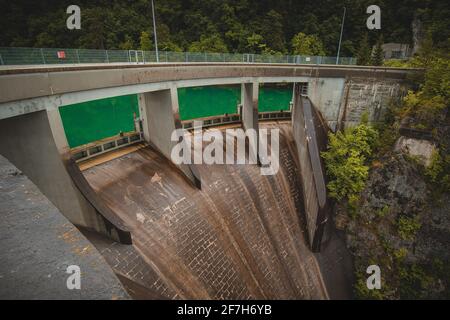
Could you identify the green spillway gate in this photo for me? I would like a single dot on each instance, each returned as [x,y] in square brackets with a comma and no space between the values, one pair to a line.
[207,101]
[98,119]
[275,97]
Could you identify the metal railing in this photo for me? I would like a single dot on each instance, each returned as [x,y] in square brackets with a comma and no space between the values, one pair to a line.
[39,56]
[99,147]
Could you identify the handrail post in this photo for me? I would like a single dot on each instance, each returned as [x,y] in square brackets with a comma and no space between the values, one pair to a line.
[42,55]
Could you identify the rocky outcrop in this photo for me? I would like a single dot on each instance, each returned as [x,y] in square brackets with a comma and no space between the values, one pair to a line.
[421,149]
[398,227]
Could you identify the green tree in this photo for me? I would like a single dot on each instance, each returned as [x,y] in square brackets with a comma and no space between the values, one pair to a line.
[429,105]
[377,54]
[271,29]
[95,27]
[255,43]
[212,43]
[127,44]
[346,160]
[363,54]
[303,44]
[145,42]
[165,41]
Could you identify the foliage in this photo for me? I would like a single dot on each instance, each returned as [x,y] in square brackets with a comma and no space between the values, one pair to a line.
[127,44]
[255,43]
[213,43]
[429,105]
[146,44]
[346,160]
[407,227]
[438,172]
[413,280]
[363,54]
[105,24]
[377,54]
[383,211]
[396,63]
[272,31]
[362,292]
[303,44]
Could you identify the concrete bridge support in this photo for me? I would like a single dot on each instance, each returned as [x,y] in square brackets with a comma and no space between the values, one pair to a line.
[160,113]
[327,94]
[36,144]
[249,112]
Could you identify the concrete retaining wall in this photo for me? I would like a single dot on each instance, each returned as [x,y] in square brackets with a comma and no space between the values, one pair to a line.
[28,142]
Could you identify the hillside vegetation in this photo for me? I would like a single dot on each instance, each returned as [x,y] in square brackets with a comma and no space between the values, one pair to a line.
[394,209]
[251,26]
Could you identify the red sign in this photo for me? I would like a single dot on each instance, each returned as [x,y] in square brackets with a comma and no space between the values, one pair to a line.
[61,55]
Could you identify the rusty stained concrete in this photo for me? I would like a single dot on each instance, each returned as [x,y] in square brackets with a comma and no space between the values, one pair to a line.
[37,244]
[241,237]
[371,96]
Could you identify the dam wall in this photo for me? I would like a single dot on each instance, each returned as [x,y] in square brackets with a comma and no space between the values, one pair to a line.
[242,236]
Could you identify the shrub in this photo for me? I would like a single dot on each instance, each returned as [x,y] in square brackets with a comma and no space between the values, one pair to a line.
[438,172]
[346,161]
[407,227]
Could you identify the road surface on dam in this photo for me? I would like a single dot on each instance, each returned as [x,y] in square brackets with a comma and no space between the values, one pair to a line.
[241,237]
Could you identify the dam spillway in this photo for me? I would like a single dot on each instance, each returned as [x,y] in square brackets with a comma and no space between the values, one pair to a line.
[240,237]
[195,231]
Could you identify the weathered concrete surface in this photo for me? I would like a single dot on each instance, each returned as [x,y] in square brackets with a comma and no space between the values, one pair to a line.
[28,142]
[160,112]
[136,275]
[37,244]
[249,102]
[326,94]
[241,237]
[310,135]
[368,95]
[20,83]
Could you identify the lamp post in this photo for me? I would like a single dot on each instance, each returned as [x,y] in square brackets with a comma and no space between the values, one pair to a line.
[340,37]
[154,32]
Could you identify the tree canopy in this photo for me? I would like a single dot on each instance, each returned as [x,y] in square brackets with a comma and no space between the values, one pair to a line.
[251,26]
[303,44]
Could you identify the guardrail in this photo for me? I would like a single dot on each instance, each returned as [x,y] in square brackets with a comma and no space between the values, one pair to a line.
[99,147]
[96,148]
[33,56]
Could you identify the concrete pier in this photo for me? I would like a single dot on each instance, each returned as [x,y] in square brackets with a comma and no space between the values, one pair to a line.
[30,144]
[160,114]
[249,101]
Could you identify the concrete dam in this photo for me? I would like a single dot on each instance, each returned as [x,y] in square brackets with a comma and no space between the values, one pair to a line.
[170,231]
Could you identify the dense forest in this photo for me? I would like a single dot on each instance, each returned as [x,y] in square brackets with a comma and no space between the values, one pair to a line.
[252,26]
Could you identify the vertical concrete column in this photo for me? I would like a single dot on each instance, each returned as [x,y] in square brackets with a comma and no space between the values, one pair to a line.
[96,214]
[326,95]
[160,117]
[342,113]
[71,200]
[36,144]
[249,102]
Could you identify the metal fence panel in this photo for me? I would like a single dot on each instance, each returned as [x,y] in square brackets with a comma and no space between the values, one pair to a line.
[21,56]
